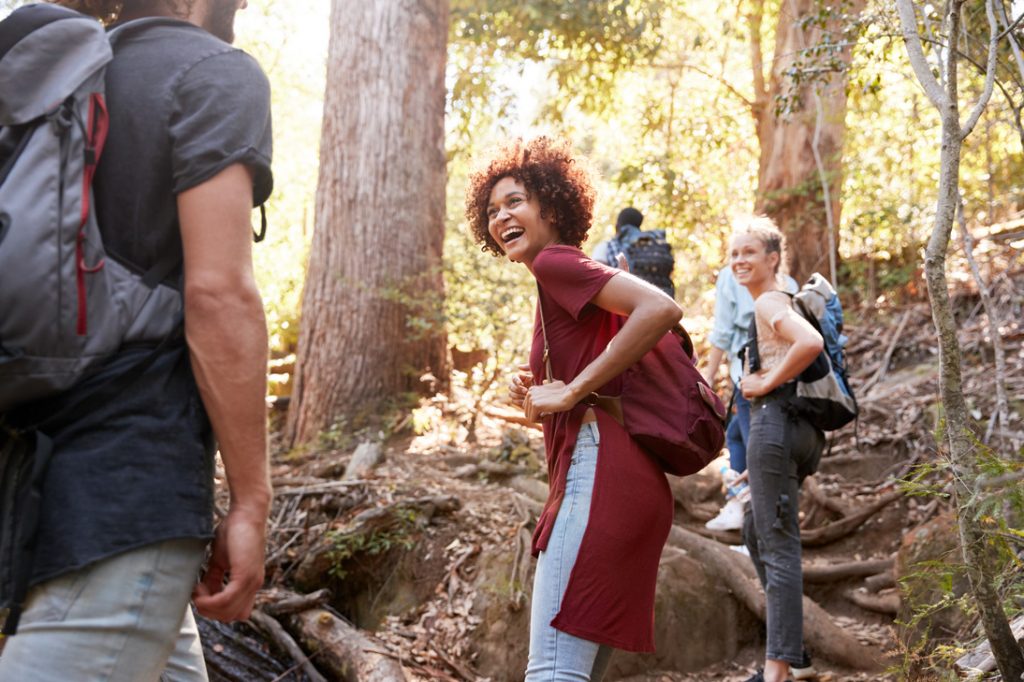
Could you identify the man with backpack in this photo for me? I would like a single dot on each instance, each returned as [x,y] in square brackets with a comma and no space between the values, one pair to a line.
[121,509]
[647,252]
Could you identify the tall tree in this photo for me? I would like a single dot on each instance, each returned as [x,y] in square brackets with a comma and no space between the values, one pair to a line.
[800,110]
[979,556]
[371,327]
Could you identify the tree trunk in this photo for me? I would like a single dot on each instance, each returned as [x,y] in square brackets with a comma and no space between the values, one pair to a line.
[791,185]
[371,322]
[979,556]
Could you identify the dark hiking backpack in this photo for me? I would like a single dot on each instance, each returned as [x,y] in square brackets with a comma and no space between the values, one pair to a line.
[648,254]
[66,306]
[823,393]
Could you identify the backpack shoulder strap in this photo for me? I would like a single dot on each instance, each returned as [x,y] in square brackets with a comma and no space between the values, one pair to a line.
[544,334]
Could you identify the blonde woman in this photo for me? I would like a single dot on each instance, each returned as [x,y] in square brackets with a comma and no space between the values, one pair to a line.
[783,448]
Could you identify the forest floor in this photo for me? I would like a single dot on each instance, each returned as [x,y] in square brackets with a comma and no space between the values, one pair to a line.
[421,534]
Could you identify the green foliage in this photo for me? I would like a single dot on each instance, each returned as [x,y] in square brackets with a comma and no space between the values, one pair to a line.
[347,546]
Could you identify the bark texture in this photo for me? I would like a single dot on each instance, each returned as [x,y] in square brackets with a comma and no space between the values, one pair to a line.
[790,183]
[371,327]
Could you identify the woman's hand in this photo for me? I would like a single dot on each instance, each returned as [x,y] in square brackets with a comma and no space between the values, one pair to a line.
[547,399]
[755,386]
[521,383]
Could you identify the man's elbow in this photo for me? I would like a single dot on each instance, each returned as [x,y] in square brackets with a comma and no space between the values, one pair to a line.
[216,296]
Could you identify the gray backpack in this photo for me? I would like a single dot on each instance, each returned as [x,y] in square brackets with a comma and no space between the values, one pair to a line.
[65,306]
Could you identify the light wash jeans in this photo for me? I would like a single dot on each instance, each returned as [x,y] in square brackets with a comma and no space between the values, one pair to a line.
[557,656]
[123,619]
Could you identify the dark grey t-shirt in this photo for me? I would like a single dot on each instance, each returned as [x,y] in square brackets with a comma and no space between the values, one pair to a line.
[139,468]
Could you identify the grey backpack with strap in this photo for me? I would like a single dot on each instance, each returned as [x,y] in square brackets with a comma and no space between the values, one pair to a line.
[65,305]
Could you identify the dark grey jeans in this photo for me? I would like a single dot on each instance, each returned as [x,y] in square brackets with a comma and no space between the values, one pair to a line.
[783,450]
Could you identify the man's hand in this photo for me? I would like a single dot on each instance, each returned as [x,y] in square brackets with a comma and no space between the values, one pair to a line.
[237,554]
[521,383]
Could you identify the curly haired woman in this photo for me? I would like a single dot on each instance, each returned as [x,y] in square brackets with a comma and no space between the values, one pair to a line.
[609,509]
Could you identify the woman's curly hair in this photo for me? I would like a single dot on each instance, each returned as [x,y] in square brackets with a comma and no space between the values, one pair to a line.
[549,171]
[108,11]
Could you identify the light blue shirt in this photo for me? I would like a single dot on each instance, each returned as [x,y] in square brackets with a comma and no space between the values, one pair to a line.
[734,310]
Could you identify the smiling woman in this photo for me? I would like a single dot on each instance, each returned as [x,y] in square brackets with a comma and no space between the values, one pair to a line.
[609,507]
[557,182]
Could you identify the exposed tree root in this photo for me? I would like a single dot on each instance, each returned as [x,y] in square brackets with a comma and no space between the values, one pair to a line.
[828,573]
[822,636]
[839,529]
[887,603]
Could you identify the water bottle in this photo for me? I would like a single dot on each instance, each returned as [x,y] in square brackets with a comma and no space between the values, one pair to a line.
[732,489]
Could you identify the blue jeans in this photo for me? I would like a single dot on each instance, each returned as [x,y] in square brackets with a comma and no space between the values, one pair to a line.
[737,436]
[557,656]
[122,619]
[784,449]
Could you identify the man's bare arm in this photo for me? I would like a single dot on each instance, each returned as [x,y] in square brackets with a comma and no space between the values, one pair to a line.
[227,338]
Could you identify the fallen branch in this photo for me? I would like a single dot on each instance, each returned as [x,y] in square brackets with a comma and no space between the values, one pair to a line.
[822,636]
[512,418]
[296,603]
[277,633]
[829,573]
[343,650]
[325,487]
[843,527]
[865,390]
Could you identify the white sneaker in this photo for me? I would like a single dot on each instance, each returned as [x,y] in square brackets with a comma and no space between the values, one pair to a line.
[730,518]
[805,671]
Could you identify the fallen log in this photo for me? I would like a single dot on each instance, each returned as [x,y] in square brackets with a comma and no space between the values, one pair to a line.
[980,661]
[843,527]
[531,487]
[232,655]
[829,573]
[887,603]
[494,469]
[343,650]
[822,636]
[277,633]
